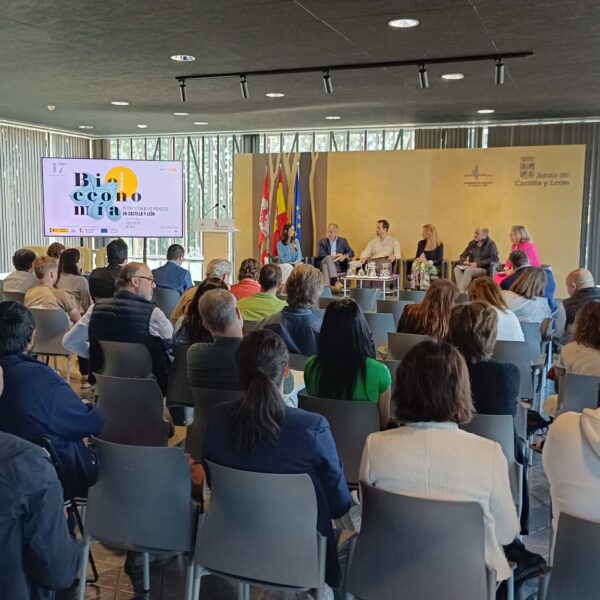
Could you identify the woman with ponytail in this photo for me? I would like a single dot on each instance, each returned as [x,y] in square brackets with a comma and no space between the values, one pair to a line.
[260,433]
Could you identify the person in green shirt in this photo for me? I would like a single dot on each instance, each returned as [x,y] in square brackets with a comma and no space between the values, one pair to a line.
[345,367]
[265,303]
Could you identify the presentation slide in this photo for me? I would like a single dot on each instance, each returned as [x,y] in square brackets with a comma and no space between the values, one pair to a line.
[112,198]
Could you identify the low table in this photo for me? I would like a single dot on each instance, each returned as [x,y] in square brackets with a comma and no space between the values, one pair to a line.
[393,280]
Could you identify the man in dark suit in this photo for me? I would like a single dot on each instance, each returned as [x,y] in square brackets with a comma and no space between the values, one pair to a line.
[172,275]
[334,253]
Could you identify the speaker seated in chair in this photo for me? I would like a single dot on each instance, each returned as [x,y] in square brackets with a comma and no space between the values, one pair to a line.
[428,262]
[480,257]
[333,257]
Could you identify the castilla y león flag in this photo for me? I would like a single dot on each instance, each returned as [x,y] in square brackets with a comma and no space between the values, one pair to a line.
[263,219]
[281,215]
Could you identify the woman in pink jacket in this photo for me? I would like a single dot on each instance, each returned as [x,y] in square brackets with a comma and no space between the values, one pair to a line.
[520,240]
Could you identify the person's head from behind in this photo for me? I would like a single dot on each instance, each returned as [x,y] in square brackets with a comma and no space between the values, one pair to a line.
[430,233]
[519,233]
[192,321]
[117,252]
[487,290]
[55,250]
[518,259]
[531,283]
[433,314]
[481,233]
[332,231]
[69,262]
[248,269]
[382,228]
[176,253]
[587,325]
[304,286]
[288,233]
[17,328]
[262,362]
[473,330]
[421,397]
[579,279]
[270,278]
[45,269]
[23,259]
[137,279]
[220,314]
[344,345]
[219,267]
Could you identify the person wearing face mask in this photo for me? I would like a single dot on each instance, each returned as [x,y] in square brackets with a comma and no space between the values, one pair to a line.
[334,254]
[479,254]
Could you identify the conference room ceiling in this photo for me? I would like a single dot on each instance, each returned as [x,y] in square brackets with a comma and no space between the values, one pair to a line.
[79,55]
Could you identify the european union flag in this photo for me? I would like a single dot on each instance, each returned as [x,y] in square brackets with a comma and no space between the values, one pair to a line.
[103,230]
[297,207]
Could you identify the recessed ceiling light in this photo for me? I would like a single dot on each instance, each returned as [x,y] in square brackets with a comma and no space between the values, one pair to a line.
[142,125]
[274,95]
[180,114]
[453,76]
[333,118]
[486,111]
[403,23]
[51,107]
[183,58]
[86,127]
[200,123]
[119,103]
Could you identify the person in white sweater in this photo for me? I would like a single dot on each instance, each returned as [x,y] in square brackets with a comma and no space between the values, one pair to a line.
[430,457]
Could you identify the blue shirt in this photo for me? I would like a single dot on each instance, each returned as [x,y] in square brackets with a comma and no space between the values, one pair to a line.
[172,276]
[286,254]
[333,250]
[298,327]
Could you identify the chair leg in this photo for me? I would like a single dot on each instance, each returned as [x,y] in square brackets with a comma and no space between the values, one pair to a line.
[189,579]
[68,368]
[543,582]
[198,572]
[146,572]
[510,587]
[85,552]
[79,522]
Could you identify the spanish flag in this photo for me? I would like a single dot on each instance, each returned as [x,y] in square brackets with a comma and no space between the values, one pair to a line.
[281,215]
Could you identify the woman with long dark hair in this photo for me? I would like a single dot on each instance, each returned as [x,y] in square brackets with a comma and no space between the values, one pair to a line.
[289,251]
[70,278]
[260,433]
[345,367]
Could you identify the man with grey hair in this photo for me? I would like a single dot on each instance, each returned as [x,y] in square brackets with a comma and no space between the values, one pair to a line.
[334,253]
[213,365]
[479,254]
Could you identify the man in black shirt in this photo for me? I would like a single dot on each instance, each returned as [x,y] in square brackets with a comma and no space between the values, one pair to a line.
[480,253]
[102,279]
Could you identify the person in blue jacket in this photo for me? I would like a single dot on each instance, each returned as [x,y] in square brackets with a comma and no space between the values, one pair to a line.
[37,402]
[260,433]
[172,275]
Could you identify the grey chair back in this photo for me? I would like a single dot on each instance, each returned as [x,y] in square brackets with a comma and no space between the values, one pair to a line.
[415,296]
[351,422]
[262,527]
[399,344]
[532,333]
[133,411]
[418,549]
[395,307]
[50,327]
[392,366]
[576,392]
[575,572]
[204,401]
[121,359]
[249,326]
[324,302]
[365,297]
[15,296]
[178,388]
[519,354]
[166,299]
[297,362]
[380,325]
[326,292]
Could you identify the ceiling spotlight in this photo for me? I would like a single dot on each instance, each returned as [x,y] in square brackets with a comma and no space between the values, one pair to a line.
[403,23]
[86,127]
[499,72]
[51,107]
[119,103]
[327,82]
[453,76]
[182,90]
[181,114]
[486,111]
[333,118]
[244,87]
[183,58]
[142,125]
[200,123]
[423,79]
[274,95]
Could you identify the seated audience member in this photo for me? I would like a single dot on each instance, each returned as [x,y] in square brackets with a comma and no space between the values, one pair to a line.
[479,254]
[219,268]
[334,253]
[288,250]
[345,367]
[526,296]
[519,261]
[23,277]
[189,328]
[55,250]
[520,239]
[581,289]
[260,433]
[581,356]
[130,316]
[70,279]
[495,385]
[432,316]
[102,279]
[213,365]
[172,275]
[44,295]
[383,248]
[430,457]
[37,402]
[265,303]
[485,289]
[38,553]
[428,259]
[296,323]
[247,279]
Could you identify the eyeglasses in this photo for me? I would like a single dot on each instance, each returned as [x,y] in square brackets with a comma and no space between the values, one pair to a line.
[142,277]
